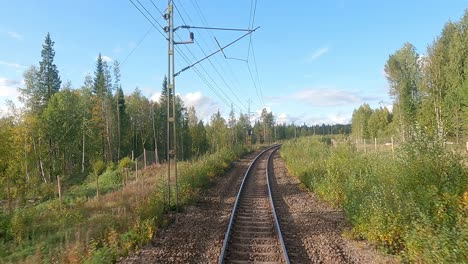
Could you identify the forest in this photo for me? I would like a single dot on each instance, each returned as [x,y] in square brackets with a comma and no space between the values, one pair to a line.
[65,148]
[62,131]
[429,91]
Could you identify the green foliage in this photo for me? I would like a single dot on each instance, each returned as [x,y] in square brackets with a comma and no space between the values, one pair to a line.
[126,163]
[110,179]
[103,255]
[414,205]
[197,175]
[99,167]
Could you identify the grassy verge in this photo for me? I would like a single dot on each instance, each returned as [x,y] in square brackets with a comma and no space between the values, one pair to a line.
[100,230]
[414,204]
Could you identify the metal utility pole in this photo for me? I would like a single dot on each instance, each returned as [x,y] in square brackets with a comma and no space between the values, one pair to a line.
[171,96]
[171,103]
[249,132]
[171,139]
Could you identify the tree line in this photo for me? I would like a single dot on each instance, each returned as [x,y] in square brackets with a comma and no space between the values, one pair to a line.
[430,92]
[63,131]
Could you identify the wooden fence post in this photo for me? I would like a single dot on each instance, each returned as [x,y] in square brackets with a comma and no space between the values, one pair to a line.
[375,145]
[59,192]
[393,149]
[9,193]
[144,157]
[136,170]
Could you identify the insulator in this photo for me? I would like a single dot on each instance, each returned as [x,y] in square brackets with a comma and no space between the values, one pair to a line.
[191,36]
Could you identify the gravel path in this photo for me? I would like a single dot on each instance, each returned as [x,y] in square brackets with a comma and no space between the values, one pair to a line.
[197,234]
[312,229]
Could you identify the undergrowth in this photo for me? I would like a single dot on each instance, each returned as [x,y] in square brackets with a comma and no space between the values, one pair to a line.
[414,204]
[126,215]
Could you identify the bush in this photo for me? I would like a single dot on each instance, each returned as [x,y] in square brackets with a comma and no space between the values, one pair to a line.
[103,255]
[99,167]
[126,163]
[415,204]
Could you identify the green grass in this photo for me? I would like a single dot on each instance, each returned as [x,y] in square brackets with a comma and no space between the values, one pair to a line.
[414,205]
[99,230]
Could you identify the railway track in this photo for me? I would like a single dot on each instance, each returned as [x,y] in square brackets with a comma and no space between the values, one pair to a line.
[254,233]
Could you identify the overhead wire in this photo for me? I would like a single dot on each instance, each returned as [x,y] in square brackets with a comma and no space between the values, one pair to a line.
[149,20]
[204,22]
[205,71]
[180,51]
[197,71]
[137,45]
[258,86]
[211,63]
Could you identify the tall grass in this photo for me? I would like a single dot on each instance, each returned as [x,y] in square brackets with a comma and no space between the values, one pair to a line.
[100,230]
[414,205]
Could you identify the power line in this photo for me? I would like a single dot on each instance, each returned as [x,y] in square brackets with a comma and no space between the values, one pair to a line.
[256,71]
[254,83]
[216,70]
[216,28]
[204,21]
[209,76]
[159,10]
[216,59]
[149,20]
[214,52]
[180,51]
[155,20]
[250,47]
[202,77]
[137,45]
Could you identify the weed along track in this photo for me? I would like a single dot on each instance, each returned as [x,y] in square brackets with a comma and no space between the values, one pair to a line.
[253,233]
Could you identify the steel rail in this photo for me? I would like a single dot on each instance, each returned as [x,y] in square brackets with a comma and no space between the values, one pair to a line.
[277,225]
[234,208]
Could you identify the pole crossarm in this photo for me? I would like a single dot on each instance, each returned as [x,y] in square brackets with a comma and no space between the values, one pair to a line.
[213,53]
[214,28]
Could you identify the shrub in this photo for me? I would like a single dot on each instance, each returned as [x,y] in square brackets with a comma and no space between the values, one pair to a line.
[99,167]
[414,205]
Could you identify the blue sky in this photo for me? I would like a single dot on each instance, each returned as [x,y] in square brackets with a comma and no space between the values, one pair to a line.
[316,60]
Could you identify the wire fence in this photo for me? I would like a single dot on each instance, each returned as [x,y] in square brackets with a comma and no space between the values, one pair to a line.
[390,144]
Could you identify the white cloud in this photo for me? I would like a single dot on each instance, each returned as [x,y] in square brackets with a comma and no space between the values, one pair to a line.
[117,50]
[15,35]
[106,58]
[155,97]
[282,118]
[317,54]
[328,119]
[204,105]
[326,97]
[12,64]
[9,87]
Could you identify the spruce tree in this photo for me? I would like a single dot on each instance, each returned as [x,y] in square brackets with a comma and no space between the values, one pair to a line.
[49,79]
[99,79]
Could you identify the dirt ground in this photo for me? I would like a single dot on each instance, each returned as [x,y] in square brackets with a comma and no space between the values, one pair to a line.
[312,229]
